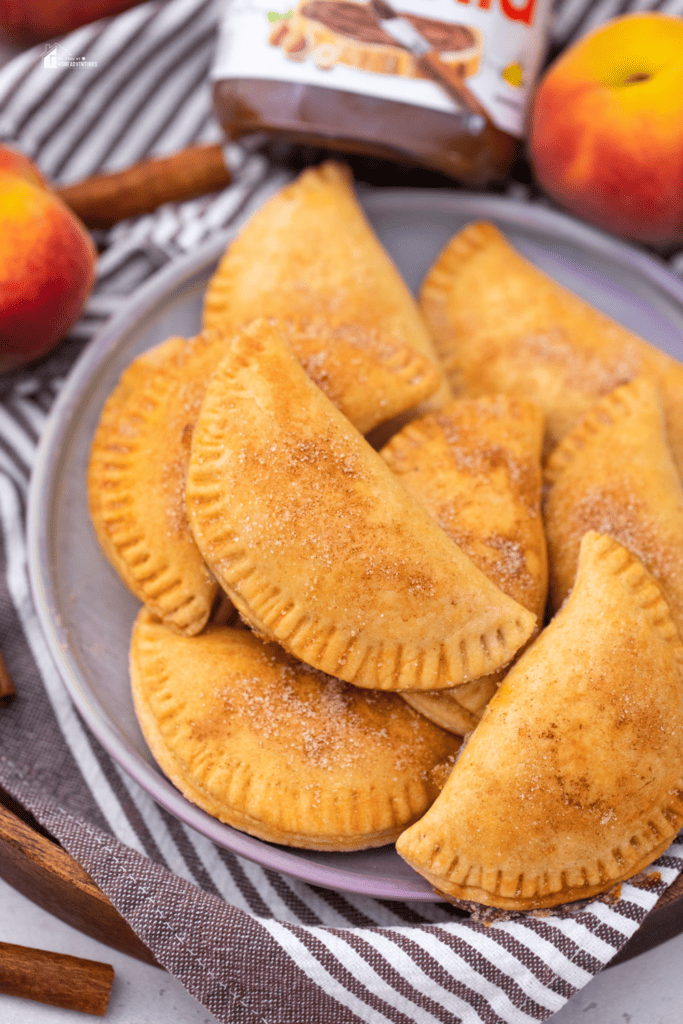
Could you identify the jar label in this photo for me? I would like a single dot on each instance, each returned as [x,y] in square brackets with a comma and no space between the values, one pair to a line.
[478,55]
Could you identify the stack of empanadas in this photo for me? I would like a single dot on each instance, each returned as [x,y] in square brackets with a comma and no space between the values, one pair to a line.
[235,466]
[500,324]
[318,544]
[476,468]
[573,780]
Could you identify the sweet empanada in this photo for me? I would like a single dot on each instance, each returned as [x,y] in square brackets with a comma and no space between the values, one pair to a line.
[614,473]
[277,749]
[139,457]
[458,708]
[573,779]
[136,480]
[370,377]
[476,467]
[318,544]
[500,324]
[310,252]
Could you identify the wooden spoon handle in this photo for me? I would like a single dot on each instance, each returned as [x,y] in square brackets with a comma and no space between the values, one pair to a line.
[104,199]
[45,873]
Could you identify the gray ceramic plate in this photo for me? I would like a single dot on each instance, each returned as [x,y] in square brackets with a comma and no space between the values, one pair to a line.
[87,613]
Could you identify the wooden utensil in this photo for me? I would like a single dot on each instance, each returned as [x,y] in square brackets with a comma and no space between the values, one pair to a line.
[45,873]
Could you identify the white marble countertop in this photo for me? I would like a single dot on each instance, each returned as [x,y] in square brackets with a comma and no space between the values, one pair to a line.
[645,990]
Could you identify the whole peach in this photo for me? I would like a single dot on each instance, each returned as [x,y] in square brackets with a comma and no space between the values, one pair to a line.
[47,263]
[606,128]
[25,21]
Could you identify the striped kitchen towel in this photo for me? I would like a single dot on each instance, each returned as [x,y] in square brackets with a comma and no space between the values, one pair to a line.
[249,943]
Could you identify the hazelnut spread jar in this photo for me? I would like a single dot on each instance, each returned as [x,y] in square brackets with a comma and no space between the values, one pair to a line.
[441,84]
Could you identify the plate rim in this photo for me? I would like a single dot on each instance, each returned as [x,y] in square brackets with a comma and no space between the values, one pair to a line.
[94,361]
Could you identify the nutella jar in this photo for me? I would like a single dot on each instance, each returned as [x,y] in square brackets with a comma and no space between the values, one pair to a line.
[441,84]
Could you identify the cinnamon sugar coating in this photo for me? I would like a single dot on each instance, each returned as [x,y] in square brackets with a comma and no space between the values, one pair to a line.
[277,749]
[501,324]
[614,473]
[310,253]
[370,376]
[318,544]
[573,779]
[475,466]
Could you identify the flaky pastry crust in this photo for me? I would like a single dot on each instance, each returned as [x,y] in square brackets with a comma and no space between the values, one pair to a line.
[278,750]
[319,545]
[572,781]
[476,467]
[501,324]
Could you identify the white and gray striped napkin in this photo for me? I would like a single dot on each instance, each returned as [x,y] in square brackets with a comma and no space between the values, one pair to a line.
[250,944]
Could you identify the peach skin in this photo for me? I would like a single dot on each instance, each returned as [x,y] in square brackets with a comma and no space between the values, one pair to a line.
[25,21]
[606,129]
[47,263]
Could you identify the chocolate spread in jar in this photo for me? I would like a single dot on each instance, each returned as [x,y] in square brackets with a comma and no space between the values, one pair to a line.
[446,93]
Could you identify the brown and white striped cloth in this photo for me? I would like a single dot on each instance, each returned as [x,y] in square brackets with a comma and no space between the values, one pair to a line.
[250,944]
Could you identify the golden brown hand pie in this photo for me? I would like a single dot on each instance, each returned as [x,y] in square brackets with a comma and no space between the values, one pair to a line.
[458,708]
[476,467]
[370,377]
[573,779]
[136,480]
[500,324]
[614,473]
[310,253]
[279,750]
[141,449]
[318,544]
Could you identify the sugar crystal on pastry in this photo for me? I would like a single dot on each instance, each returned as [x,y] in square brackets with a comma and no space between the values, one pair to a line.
[475,466]
[321,548]
[139,455]
[277,749]
[311,253]
[501,324]
[371,376]
[573,779]
[614,473]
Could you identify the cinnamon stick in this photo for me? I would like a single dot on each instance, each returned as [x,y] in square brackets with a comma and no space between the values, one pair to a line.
[104,199]
[7,687]
[55,978]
